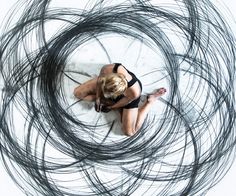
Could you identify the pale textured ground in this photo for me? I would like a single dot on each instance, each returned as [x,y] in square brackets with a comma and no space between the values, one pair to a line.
[139,60]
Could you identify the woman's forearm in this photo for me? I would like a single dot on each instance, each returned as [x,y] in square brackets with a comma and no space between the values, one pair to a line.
[98,90]
[124,101]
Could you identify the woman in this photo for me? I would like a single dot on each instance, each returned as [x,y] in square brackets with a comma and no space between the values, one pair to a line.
[118,88]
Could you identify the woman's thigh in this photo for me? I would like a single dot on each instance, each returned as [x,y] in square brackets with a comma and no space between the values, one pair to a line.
[85,89]
[129,118]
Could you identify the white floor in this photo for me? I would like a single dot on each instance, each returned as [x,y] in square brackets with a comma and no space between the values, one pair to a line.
[225,187]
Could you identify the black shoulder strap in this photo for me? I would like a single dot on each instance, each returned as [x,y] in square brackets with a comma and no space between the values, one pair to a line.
[116,67]
[133,80]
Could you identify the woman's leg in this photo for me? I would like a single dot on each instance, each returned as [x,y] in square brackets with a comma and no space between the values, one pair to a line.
[87,90]
[129,118]
[132,119]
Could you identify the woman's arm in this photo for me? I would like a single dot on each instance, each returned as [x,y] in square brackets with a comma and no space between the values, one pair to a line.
[99,96]
[106,69]
[130,95]
[121,103]
[98,89]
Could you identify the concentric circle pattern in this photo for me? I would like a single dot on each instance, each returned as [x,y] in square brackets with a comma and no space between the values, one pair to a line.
[46,145]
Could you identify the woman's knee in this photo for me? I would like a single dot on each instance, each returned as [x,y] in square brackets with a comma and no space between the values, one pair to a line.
[78,93]
[128,130]
[129,119]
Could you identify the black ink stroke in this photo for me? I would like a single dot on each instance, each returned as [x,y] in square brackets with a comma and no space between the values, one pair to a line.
[193,143]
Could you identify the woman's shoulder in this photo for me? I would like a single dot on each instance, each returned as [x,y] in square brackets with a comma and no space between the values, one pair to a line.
[122,70]
[107,69]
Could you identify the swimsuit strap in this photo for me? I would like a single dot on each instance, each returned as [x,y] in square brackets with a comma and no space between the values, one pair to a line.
[116,67]
[132,81]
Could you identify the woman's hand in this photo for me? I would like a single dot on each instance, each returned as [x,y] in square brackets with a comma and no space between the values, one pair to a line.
[102,107]
[105,108]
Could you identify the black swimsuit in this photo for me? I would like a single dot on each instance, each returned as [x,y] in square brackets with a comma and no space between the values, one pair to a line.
[134,103]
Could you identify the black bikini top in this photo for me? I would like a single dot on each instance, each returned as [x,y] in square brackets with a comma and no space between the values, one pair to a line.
[134,78]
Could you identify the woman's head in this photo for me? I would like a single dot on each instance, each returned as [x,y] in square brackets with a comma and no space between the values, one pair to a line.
[113,85]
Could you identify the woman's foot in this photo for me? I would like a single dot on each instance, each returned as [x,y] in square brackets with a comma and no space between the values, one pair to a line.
[159,92]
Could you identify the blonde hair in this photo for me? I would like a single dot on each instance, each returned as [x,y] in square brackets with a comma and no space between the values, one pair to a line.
[113,85]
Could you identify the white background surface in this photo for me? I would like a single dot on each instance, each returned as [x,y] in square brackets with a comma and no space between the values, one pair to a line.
[226,187]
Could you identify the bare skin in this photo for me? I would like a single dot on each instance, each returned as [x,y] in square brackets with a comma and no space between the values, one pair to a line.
[132,119]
